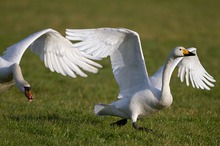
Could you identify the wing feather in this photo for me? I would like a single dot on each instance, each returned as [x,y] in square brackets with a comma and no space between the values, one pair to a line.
[58,50]
[124,48]
[190,67]
[187,76]
[76,68]
[191,79]
[66,68]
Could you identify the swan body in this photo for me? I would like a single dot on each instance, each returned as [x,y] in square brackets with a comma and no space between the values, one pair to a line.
[140,95]
[56,52]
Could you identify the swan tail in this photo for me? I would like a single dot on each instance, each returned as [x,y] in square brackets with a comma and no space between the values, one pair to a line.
[102,109]
[108,110]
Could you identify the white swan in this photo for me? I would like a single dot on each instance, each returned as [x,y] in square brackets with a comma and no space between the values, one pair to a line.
[140,95]
[56,52]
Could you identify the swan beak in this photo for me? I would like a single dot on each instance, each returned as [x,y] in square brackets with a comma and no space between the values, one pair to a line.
[28,94]
[188,53]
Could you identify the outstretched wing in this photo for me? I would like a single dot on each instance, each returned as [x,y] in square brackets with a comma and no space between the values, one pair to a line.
[124,48]
[56,52]
[191,68]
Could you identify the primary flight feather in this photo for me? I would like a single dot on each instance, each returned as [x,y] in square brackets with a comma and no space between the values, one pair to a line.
[140,95]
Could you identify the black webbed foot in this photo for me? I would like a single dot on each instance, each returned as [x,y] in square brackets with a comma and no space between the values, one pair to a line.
[141,128]
[119,123]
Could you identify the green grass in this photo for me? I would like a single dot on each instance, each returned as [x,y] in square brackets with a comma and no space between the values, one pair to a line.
[62,112]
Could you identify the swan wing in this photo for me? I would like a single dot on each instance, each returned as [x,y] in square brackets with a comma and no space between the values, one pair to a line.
[124,48]
[192,70]
[15,52]
[56,52]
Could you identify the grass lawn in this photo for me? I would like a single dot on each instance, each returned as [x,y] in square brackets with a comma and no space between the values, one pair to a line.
[62,111]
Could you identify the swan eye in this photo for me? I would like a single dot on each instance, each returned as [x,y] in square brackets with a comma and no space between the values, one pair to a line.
[180,49]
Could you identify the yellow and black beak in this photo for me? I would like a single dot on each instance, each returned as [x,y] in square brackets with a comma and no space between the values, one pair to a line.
[28,93]
[188,53]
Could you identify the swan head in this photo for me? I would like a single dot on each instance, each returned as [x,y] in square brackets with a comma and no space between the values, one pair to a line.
[181,52]
[26,89]
[27,92]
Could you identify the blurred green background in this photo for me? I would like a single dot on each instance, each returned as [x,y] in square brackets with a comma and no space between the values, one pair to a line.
[62,113]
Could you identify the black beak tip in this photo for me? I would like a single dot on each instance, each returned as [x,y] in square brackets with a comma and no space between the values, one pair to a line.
[190,54]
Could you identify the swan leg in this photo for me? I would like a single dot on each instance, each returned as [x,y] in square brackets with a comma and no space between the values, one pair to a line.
[134,124]
[119,123]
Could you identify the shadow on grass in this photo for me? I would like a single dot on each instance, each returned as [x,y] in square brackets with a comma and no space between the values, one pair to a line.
[59,118]
[30,117]
[70,119]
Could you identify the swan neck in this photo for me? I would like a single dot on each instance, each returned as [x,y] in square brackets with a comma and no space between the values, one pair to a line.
[167,72]
[18,77]
[166,97]
[17,74]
